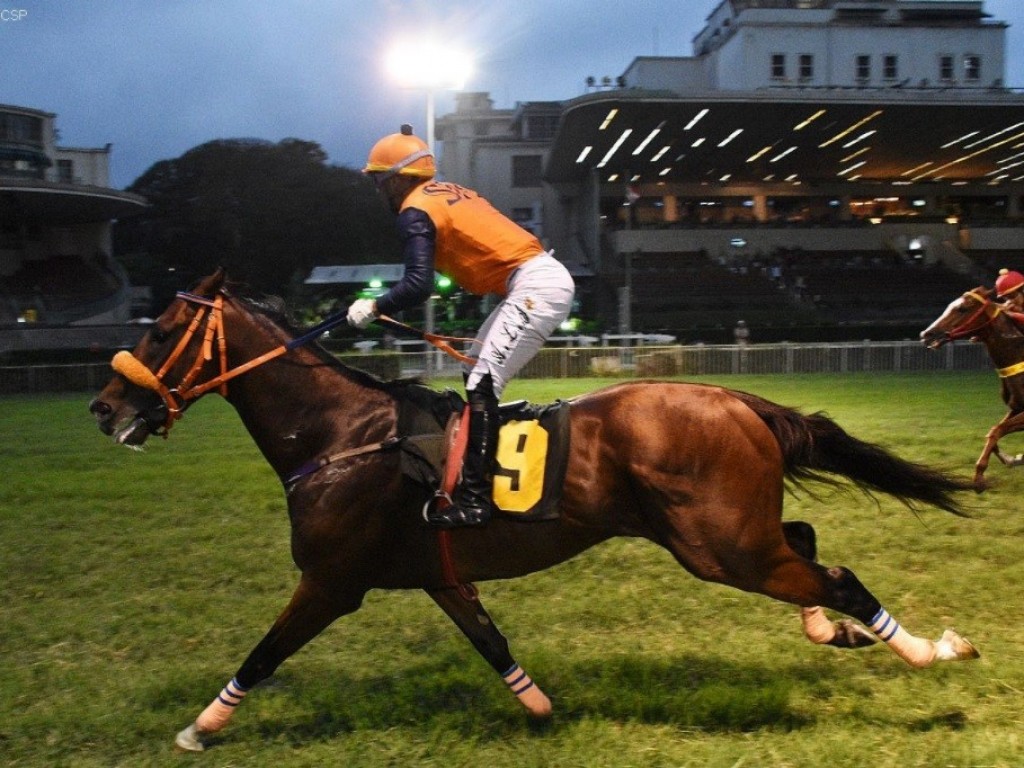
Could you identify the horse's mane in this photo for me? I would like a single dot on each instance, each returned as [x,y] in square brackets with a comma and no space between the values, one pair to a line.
[274,309]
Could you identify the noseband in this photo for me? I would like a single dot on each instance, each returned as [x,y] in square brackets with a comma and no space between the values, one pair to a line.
[175,399]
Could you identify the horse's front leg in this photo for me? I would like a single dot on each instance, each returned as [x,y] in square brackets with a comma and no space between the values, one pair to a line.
[308,613]
[463,607]
[991,445]
[1012,422]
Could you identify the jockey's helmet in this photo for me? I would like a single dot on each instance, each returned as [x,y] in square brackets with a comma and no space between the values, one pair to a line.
[1008,282]
[401,153]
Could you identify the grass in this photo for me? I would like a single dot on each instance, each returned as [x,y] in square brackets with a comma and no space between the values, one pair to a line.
[135,584]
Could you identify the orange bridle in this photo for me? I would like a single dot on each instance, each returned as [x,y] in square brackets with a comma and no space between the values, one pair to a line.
[176,398]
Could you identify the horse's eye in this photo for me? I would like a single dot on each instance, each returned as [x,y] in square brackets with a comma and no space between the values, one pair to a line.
[158,335]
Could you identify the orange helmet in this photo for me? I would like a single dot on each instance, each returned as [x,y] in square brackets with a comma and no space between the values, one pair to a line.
[1008,282]
[401,153]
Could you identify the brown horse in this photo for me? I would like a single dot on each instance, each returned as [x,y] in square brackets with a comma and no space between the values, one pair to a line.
[975,315]
[696,469]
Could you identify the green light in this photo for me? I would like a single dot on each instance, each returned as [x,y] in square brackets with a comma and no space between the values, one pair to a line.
[376,283]
[444,282]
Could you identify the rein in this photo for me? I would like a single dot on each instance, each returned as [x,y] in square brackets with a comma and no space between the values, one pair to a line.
[211,311]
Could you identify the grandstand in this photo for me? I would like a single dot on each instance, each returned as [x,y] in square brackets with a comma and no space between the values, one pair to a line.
[56,265]
[803,141]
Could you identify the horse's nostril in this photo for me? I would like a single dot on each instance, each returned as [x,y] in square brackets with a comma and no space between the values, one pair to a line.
[99,408]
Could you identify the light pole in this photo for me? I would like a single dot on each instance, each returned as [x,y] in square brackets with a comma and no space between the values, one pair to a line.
[429,66]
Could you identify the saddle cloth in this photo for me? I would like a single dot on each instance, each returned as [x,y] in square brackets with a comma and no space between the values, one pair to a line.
[533,450]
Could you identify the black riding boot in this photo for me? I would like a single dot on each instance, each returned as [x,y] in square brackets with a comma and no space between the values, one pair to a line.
[472,502]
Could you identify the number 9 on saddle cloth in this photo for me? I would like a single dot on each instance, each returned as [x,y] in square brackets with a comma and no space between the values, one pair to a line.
[533,449]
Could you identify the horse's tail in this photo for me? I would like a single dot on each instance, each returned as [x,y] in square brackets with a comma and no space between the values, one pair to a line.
[815,448]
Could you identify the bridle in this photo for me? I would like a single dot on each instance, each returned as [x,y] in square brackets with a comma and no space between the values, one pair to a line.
[176,399]
[983,316]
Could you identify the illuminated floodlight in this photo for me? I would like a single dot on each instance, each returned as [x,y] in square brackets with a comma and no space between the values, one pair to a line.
[429,65]
[730,137]
[782,155]
[993,136]
[809,120]
[650,137]
[696,119]
[615,148]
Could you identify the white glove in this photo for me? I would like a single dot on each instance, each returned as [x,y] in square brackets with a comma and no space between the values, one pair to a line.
[362,312]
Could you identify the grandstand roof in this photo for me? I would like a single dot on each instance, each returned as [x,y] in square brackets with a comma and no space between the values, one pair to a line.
[902,135]
[38,201]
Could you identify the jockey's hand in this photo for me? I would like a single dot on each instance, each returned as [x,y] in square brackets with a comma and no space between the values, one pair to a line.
[362,312]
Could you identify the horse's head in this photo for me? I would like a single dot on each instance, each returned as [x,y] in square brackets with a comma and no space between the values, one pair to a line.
[146,394]
[963,318]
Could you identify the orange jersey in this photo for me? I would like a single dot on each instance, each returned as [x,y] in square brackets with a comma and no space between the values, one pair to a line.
[476,245]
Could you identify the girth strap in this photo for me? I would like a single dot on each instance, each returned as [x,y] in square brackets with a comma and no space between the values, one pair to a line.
[315,465]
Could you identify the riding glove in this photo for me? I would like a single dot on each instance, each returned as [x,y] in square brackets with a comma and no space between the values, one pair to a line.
[362,312]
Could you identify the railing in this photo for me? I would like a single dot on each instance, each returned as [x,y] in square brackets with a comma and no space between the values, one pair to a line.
[612,362]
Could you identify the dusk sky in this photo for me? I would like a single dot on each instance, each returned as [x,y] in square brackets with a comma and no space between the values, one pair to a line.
[155,78]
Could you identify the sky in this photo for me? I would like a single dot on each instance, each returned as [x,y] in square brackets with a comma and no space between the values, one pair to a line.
[155,78]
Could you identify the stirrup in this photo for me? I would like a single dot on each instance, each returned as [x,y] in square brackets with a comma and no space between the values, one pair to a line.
[433,502]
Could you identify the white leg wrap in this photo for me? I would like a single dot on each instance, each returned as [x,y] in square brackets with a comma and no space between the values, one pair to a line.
[220,710]
[531,697]
[817,626]
[916,651]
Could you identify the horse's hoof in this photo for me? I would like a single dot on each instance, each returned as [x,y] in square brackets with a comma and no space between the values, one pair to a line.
[850,634]
[952,647]
[188,740]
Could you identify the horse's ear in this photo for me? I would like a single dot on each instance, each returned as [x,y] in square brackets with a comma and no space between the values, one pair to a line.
[209,285]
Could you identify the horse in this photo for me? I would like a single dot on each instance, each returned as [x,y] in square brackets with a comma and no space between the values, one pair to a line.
[698,469]
[977,316]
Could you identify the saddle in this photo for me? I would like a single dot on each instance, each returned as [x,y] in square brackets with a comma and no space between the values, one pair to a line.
[533,449]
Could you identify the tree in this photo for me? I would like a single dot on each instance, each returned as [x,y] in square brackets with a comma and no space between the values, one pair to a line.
[267,212]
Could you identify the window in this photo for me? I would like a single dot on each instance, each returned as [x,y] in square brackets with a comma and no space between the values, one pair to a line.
[863,68]
[890,67]
[65,171]
[972,67]
[541,126]
[20,128]
[946,70]
[806,66]
[778,66]
[526,170]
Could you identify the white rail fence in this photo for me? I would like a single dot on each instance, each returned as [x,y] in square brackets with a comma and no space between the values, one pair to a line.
[640,361]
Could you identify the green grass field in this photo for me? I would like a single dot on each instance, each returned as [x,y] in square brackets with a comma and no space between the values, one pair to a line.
[134,584]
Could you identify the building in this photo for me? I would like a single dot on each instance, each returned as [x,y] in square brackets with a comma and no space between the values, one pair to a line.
[877,130]
[56,214]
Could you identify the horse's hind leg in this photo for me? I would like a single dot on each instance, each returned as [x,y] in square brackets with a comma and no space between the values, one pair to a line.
[463,607]
[308,613]
[818,628]
[794,579]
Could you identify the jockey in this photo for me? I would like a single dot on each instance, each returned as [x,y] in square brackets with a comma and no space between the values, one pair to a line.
[1008,287]
[453,230]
